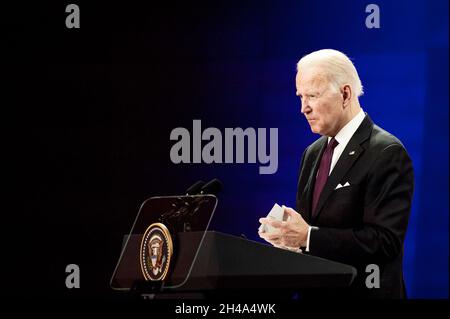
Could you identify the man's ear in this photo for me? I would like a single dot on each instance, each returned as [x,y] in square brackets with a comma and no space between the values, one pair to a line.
[347,94]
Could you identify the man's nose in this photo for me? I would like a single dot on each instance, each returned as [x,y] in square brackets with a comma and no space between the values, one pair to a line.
[304,106]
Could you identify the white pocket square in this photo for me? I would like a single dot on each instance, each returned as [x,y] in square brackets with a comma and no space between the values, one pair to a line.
[340,186]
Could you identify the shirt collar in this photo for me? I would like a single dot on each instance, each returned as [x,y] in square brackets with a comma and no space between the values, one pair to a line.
[346,133]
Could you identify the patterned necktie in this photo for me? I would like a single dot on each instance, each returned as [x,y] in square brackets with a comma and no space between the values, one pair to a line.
[324,169]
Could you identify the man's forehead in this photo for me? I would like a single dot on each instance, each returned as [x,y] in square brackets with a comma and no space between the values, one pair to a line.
[311,79]
[314,76]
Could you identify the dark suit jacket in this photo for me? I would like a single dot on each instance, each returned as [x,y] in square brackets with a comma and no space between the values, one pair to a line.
[364,223]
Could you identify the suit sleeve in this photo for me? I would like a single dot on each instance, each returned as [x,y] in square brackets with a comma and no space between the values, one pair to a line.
[387,204]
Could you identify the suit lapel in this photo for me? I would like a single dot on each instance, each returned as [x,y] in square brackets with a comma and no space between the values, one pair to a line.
[344,163]
[349,156]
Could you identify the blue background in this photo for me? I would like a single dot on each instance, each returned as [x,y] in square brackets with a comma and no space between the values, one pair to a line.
[404,70]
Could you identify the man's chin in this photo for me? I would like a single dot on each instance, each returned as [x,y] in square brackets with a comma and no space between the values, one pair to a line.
[315,130]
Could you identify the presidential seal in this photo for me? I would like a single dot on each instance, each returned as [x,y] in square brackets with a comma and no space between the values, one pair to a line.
[156,252]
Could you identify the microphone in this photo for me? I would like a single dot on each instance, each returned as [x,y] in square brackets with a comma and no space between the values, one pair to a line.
[212,187]
[195,188]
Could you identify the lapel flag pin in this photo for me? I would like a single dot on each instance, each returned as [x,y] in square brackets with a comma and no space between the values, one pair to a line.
[351,153]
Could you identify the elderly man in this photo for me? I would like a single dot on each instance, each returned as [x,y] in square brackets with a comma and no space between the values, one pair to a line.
[356,181]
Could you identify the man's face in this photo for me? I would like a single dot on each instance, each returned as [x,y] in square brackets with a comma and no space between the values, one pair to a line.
[320,102]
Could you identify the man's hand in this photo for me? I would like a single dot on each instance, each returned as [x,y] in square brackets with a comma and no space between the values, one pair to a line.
[290,234]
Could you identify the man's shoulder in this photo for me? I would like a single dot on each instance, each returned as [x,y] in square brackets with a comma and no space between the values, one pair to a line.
[378,140]
[381,138]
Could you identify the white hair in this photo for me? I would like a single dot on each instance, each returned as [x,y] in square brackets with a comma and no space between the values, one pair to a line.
[336,65]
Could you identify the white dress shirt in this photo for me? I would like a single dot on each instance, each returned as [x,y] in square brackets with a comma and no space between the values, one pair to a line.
[342,137]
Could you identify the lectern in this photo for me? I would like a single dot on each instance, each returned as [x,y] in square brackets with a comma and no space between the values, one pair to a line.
[171,251]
